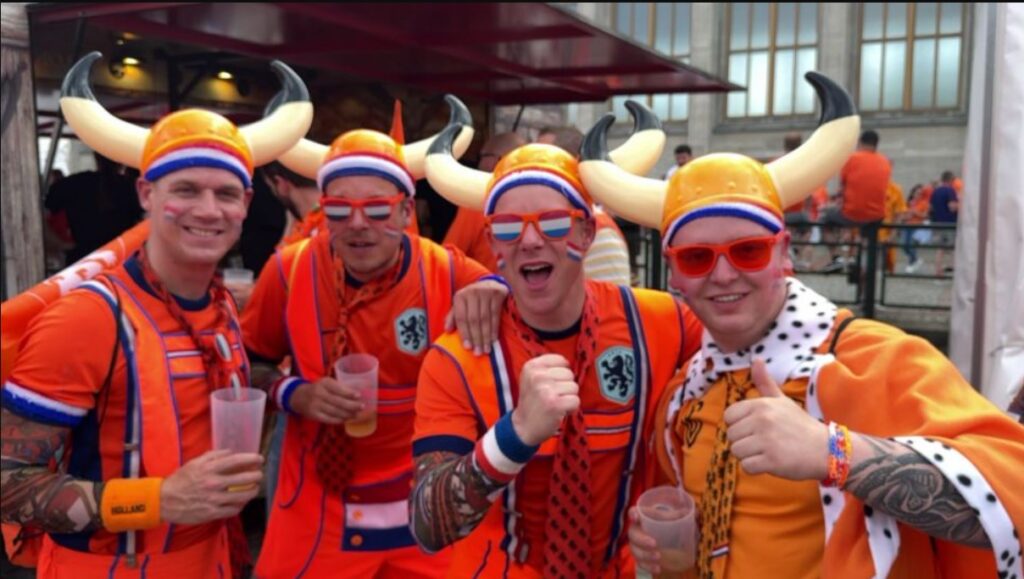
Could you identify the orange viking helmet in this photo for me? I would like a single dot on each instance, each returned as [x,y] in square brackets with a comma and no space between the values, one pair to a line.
[367,152]
[538,164]
[187,138]
[726,184]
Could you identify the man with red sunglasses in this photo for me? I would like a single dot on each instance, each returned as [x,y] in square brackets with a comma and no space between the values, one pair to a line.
[527,458]
[361,285]
[812,446]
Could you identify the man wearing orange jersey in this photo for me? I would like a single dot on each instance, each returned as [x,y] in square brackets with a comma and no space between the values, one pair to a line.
[863,181]
[526,458]
[362,285]
[813,446]
[119,372]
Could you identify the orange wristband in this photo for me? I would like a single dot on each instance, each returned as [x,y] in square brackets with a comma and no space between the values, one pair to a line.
[131,504]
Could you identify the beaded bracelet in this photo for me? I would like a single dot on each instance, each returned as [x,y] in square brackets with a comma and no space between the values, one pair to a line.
[840,455]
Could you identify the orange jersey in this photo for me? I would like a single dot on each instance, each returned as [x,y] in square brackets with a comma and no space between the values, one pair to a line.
[865,177]
[293,311]
[468,232]
[819,198]
[880,382]
[60,379]
[919,209]
[642,337]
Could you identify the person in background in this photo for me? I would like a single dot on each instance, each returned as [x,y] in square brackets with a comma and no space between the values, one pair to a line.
[895,209]
[683,155]
[99,205]
[917,213]
[945,206]
[863,181]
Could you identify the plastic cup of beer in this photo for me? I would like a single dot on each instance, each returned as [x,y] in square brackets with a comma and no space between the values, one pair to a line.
[668,514]
[237,420]
[359,371]
[237,276]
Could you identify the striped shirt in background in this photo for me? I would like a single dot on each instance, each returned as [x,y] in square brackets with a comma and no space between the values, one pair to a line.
[608,258]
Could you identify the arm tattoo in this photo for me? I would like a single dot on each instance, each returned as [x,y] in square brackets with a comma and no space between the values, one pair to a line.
[899,482]
[35,496]
[450,498]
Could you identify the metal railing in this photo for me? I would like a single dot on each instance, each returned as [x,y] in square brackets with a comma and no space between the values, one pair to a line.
[865,271]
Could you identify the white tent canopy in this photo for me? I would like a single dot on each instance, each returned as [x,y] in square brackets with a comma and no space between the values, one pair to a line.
[987,333]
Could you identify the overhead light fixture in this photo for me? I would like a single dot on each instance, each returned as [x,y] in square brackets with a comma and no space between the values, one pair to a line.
[225,75]
[130,61]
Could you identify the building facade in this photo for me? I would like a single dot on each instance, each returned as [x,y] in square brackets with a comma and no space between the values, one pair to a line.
[905,64]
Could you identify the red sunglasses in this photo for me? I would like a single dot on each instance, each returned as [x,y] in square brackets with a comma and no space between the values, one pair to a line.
[750,254]
[374,209]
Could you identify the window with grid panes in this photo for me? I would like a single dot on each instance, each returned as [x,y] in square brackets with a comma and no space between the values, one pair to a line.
[664,26]
[910,56]
[771,46]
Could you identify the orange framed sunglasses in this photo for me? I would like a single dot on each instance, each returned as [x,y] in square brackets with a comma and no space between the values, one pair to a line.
[749,254]
[374,209]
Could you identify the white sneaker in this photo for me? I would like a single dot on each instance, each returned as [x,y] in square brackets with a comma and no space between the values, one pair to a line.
[913,266]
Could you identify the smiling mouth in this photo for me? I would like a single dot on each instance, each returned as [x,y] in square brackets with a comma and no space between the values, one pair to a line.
[202,232]
[727,299]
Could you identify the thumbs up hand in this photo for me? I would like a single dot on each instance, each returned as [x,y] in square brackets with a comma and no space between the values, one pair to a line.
[772,434]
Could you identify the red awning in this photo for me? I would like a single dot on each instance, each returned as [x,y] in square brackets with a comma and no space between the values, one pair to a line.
[503,53]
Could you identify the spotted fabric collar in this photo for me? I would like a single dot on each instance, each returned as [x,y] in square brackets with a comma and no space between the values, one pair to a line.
[788,346]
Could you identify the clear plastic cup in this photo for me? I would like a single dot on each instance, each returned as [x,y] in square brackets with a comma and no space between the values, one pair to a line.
[359,371]
[238,276]
[237,419]
[668,514]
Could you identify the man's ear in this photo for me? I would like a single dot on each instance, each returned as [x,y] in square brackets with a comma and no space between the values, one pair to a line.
[588,231]
[248,198]
[410,211]
[145,191]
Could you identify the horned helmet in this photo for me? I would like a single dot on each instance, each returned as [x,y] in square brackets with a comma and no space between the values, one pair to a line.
[187,138]
[537,164]
[368,152]
[726,184]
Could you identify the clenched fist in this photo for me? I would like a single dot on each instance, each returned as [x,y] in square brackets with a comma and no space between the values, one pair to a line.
[547,393]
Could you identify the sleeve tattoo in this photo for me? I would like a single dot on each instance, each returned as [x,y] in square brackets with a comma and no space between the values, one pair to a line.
[35,496]
[899,482]
[450,498]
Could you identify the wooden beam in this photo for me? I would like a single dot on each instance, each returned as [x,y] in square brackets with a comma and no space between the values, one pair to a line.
[21,210]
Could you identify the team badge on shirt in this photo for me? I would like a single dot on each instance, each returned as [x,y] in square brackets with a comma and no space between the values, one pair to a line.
[616,371]
[411,331]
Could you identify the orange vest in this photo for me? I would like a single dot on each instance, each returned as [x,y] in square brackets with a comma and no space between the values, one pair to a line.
[152,446]
[498,547]
[372,514]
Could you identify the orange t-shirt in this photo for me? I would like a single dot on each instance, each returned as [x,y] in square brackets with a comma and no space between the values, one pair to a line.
[64,360]
[865,177]
[468,232]
[372,329]
[919,209]
[445,410]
